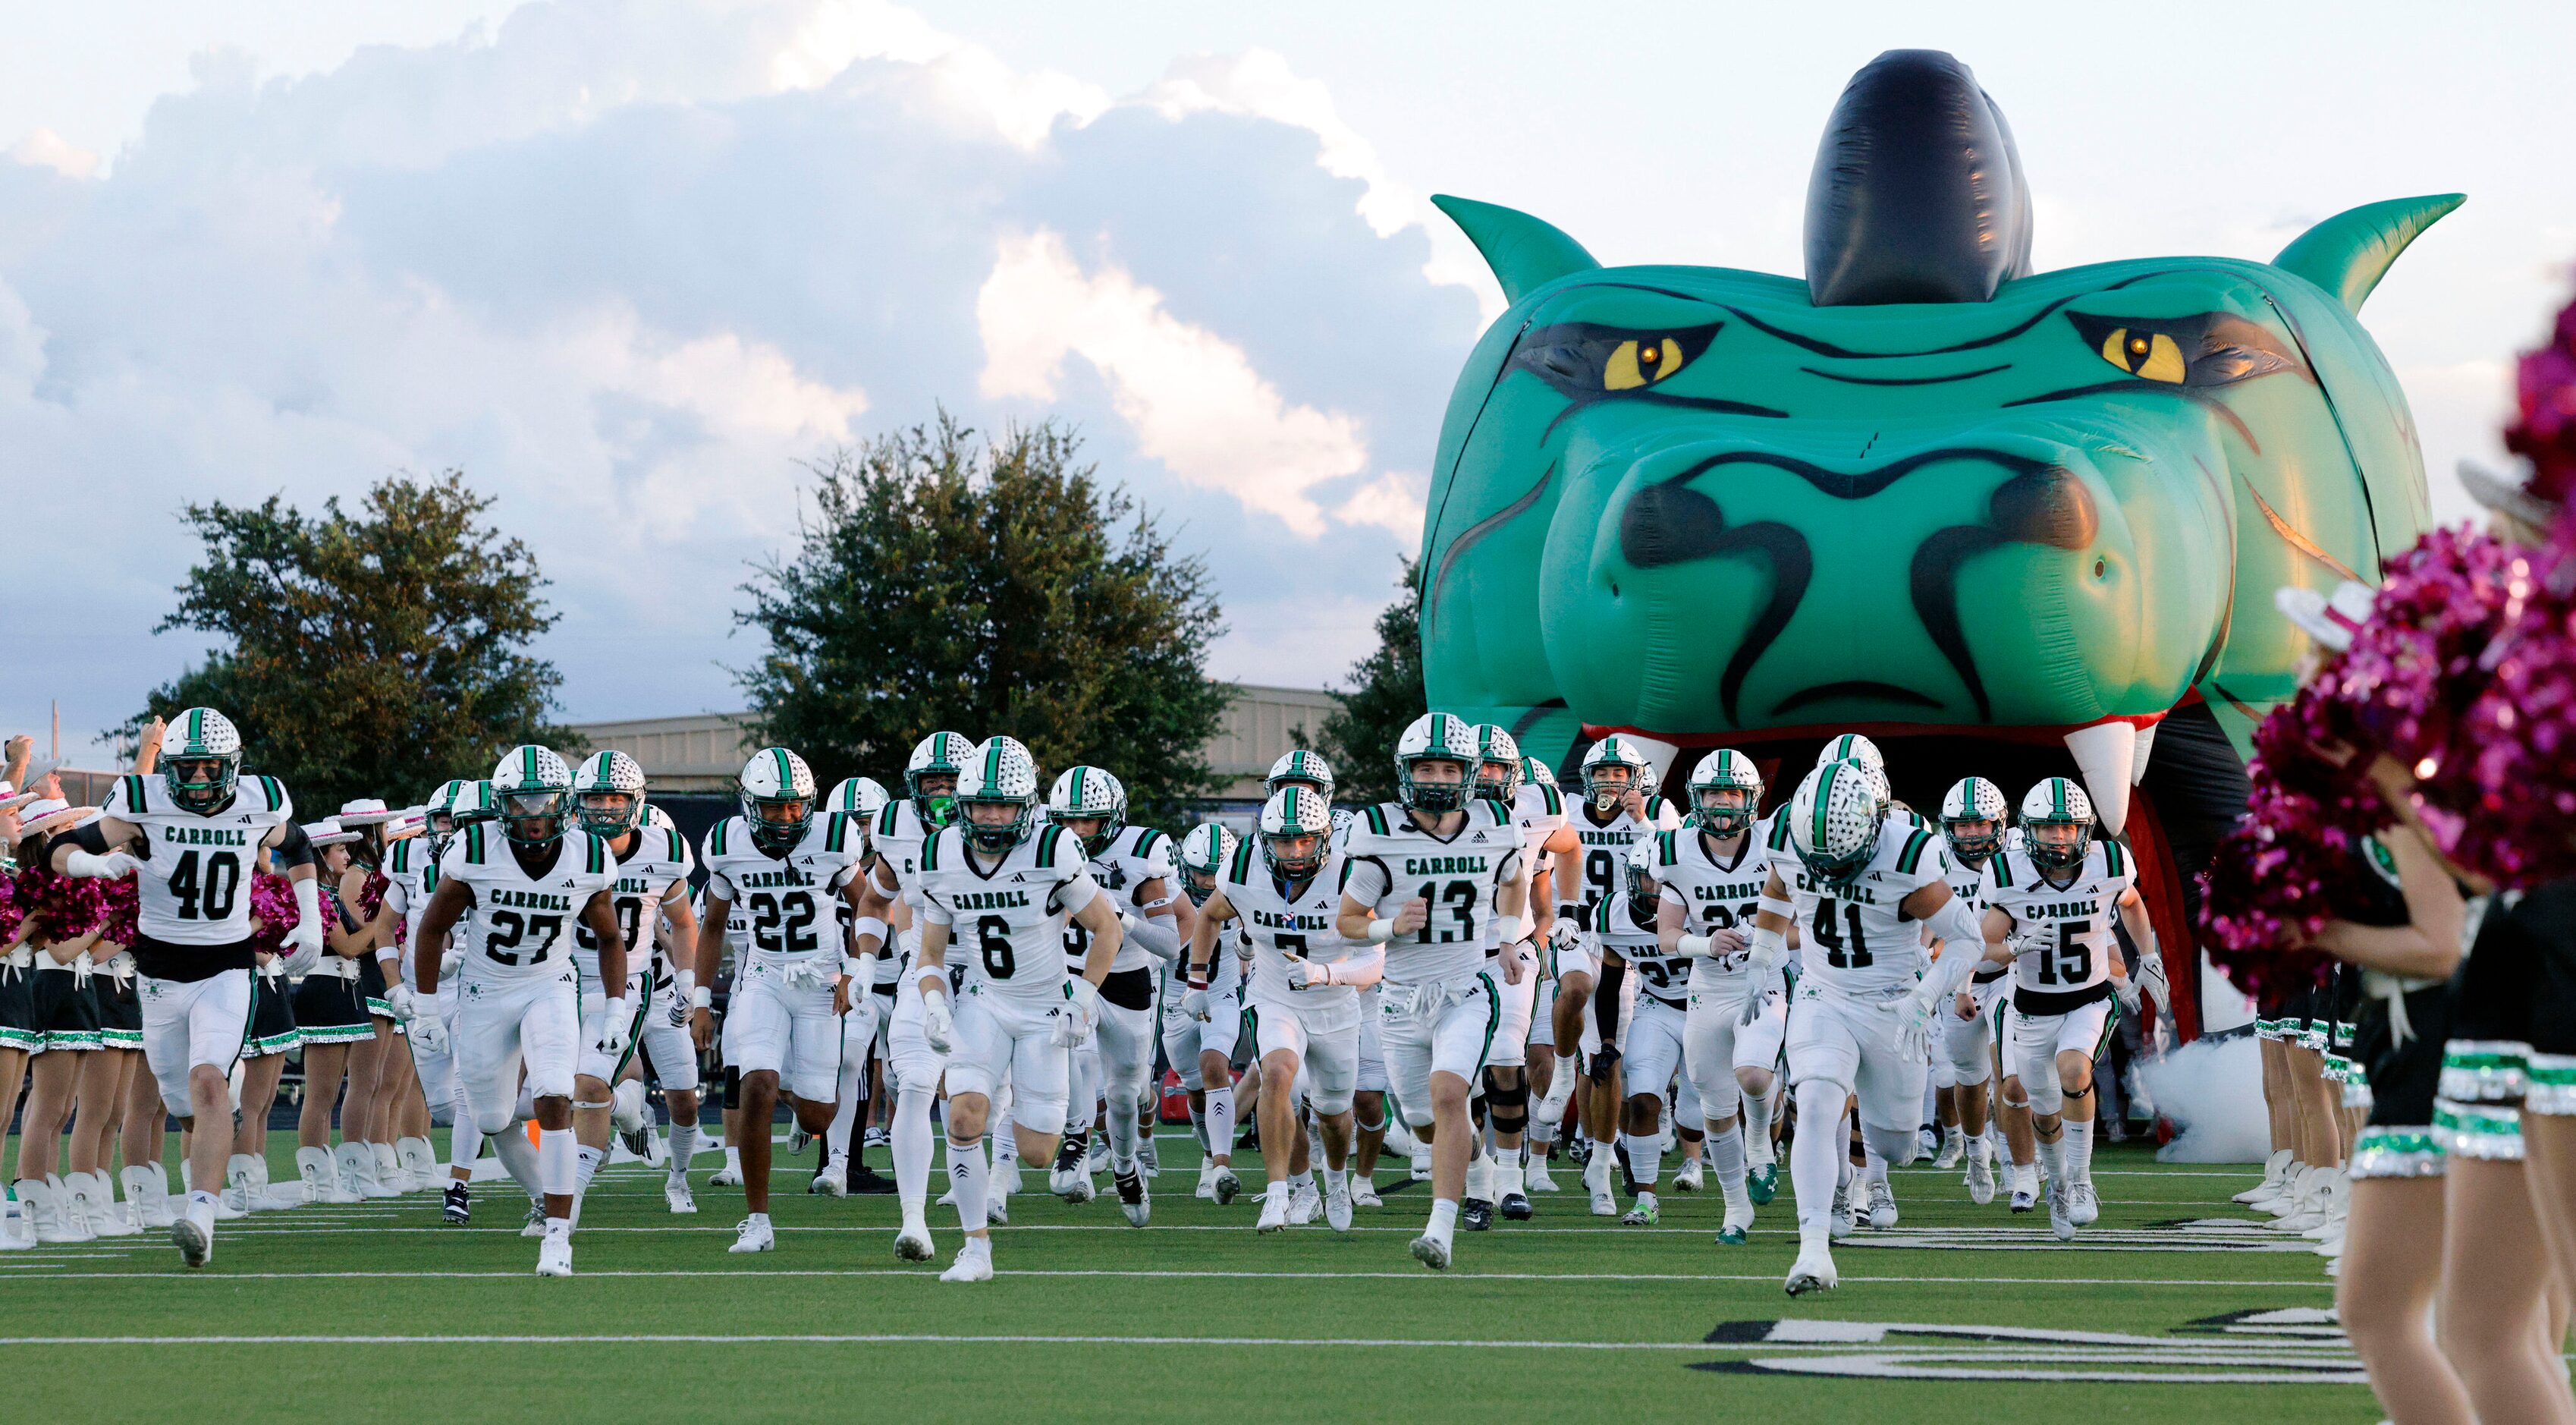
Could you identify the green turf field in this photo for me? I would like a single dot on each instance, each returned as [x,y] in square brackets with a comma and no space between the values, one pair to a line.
[377,1311]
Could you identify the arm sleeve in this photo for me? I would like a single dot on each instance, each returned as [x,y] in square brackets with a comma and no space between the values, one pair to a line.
[1963,945]
[1157,936]
[294,848]
[1358,971]
[1605,999]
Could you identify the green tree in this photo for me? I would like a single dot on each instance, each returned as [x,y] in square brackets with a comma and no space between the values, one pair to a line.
[374,653]
[1384,697]
[945,582]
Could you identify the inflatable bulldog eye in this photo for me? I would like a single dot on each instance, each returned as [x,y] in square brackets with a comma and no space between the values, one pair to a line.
[1585,360]
[2151,355]
[2211,349]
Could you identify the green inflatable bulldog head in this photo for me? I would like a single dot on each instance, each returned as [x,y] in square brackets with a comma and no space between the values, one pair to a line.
[1924,489]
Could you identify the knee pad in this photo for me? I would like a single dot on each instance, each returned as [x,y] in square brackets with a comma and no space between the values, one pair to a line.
[492,1123]
[2045,1097]
[1896,1146]
[1507,1107]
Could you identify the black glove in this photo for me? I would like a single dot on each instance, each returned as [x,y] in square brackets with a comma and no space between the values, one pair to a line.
[1604,1060]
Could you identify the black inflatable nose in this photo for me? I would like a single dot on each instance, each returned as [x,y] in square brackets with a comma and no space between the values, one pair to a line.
[1918,194]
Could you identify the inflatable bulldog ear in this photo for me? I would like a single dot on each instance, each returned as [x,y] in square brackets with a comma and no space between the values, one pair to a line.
[1524,253]
[2348,253]
[1918,194]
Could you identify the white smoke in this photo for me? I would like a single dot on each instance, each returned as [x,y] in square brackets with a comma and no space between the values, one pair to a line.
[2213,1092]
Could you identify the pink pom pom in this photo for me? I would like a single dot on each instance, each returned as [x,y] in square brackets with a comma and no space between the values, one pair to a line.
[2545,395]
[272,906]
[121,900]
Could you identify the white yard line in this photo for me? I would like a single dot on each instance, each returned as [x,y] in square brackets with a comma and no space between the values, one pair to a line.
[924,1274]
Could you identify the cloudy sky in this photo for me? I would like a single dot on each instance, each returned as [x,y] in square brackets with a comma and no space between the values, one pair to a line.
[629,262]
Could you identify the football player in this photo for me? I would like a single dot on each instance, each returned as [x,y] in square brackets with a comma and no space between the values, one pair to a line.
[786,865]
[203,828]
[2054,900]
[1304,768]
[411,870]
[1615,813]
[862,1020]
[653,866]
[1648,1054]
[1203,1019]
[1865,886]
[1002,887]
[892,893]
[1711,874]
[1973,818]
[1426,873]
[1496,1176]
[528,875]
[1134,865]
[1304,1002]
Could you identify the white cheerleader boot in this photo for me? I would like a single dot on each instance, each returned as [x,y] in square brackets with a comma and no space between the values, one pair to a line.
[147,1196]
[98,1206]
[46,1214]
[389,1179]
[321,1176]
[357,1166]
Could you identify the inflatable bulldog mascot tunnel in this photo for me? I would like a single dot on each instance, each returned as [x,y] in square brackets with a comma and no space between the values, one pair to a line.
[2009,523]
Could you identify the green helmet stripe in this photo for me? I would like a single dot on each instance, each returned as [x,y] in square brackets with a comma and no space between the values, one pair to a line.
[2057,796]
[1824,799]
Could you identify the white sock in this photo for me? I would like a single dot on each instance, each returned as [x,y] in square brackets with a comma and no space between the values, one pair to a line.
[1757,1130]
[1122,1132]
[585,1166]
[1645,1159]
[733,1159]
[1220,1124]
[2078,1144]
[1816,1158]
[1336,1178]
[1726,1157]
[1510,1177]
[1480,1176]
[912,1150]
[519,1156]
[1981,1149]
[1444,1218]
[1565,1071]
[2054,1155]
[1954,1135]
[845,1117]
[684,1147]
[970,1178]
[1280,1191]
[558,1161]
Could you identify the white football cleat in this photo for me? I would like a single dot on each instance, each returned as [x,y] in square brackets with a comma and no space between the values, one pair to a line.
[554,1256]
[1882,1206]
[1337,1204]
[1227,1185]
[1980,1180]
[194,1235]
[726,1176]
[974,1262]
[535,1226]
[1954,1146]
[1274,1213]
[2061,1222]
[1841,1224]
[2082,1206]
[675,1193]
[1304,1206]
[1364,1192]
[1006,1177]
[1422,1166]
[1431,1252]
[1814,1271]
[997,1211]
[1539,1181]
[753,1235]
[1207,1183]
[1689,1178]
[834,1180]
[912,1244]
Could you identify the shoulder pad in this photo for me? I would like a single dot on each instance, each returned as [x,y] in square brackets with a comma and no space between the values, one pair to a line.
[1601,916]
[886,818]
[1501,813]
[930,850]
[276,791]
[1999,869]
[1779,838]
[1657,805]
[1146,836]
[1240,873]
[1555,798]
[1376,819]
[1909,860]
[679,844]
[598,854]
[398,858]
[132,786]
[1049,837]
[836,833]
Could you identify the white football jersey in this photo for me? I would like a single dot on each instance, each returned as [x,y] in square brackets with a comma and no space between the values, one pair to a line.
[411,875]
[787,897]
[522,921]
[1615,926]
[1855,940]
[1393,860]
[1279,927]
[660,859]
[1716,892]
[1538,808]
[2061,935]
[897,838]
[194,888]
[1591,871]
[1008,919]
[1136,855]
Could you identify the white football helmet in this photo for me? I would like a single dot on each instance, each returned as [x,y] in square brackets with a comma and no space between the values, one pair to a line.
[659,819]
[777,796]
[941,754]
[1535,773]
[1084,791]
[1302,765]
[438,816]
[1970,802]
[1611,753]
[1852,747]
[1295,814]
[1435,737]
[2056,824]
[200,759]
[1000,772]
[1498,774]
[1637,877]
[608,793]
[1202,859]
[1725,792]
[532,795]
[1834,821]
[861,797]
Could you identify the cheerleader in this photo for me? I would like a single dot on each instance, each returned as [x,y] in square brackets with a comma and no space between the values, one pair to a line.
[19,1035]
[61,926]
[107,1074]
[390,1081]
[339,1039]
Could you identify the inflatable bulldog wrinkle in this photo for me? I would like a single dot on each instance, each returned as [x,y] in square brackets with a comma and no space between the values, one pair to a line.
[1926,492]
